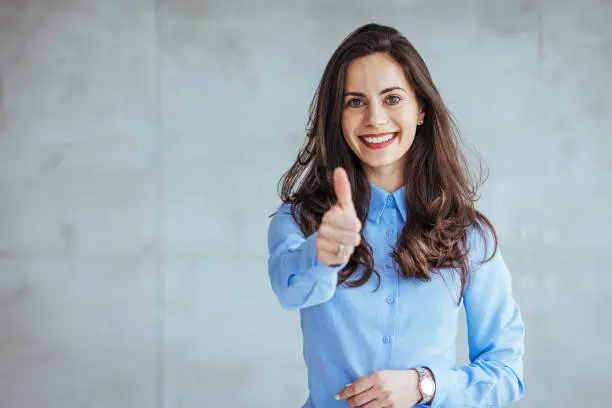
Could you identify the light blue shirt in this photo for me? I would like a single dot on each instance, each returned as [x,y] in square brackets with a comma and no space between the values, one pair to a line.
[354,332]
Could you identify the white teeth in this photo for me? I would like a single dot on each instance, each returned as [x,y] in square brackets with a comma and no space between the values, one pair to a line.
[381,139]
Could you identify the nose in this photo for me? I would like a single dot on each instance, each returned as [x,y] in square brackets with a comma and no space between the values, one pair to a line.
[376,116]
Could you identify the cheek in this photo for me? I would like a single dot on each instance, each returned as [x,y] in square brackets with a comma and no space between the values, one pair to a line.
[406,118]
[350,121]
[409,117]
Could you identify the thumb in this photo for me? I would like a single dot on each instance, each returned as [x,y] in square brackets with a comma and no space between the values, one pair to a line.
[342,187]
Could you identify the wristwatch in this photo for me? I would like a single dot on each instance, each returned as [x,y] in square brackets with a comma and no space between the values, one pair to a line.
[427,386]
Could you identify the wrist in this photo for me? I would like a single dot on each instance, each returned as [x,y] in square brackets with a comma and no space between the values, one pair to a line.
[412,385]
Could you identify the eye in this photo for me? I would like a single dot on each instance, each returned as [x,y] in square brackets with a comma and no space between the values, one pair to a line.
[393,99]
[354,103]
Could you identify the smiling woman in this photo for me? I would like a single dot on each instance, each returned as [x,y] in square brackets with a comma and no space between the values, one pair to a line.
[377,242]
[380,117]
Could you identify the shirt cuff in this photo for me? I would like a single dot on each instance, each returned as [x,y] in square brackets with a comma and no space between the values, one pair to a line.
[446,380]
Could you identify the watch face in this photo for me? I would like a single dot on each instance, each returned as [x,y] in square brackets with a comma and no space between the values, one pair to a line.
[427,386]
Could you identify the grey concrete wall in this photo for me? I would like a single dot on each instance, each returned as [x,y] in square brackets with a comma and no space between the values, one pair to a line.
[140,146]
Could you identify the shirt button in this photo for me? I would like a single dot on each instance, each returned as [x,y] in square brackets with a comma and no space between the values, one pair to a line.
[389,233]
[389,199]
[390,299]
[387,339]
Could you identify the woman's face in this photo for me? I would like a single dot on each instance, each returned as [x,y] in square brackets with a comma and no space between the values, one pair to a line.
[380,113]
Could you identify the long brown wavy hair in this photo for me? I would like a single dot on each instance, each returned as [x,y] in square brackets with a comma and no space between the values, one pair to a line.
[440,195]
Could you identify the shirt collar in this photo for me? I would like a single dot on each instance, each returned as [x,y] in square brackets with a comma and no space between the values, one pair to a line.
[379,199]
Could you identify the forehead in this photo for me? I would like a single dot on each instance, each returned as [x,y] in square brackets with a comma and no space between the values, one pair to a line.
[374,73]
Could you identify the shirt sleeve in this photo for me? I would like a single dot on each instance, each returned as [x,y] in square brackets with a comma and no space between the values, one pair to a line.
[496,343]
[297,277]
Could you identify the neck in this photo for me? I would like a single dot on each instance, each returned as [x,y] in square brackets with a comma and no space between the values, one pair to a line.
[389,178]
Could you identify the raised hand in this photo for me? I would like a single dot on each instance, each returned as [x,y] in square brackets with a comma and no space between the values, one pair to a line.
[339,232]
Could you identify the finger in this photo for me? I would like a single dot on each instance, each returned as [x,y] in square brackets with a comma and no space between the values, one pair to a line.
[377,403]
[342,187]
[362,399]
[340,236]
[340,219]
[357,387]
[330,259]
[327,245]
[333,260]
[328,251]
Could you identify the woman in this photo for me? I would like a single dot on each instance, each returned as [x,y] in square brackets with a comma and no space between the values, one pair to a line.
[378,243]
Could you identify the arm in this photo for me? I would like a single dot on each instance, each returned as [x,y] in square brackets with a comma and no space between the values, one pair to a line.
[297,277]
[496,342]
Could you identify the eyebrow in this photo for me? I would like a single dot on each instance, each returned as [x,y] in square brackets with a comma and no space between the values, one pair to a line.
[384,91]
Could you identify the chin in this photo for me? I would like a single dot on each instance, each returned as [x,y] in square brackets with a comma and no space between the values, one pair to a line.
[378,165]
[381,161]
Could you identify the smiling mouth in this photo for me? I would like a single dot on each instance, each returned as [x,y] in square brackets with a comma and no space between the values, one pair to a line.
[378,141]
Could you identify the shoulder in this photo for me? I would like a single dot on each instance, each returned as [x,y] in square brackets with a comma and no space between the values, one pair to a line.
[283,226]
[282,211]
[284,208]
[482,243]
[282,219]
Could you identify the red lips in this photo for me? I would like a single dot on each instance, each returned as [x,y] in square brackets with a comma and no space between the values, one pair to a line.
[378,145]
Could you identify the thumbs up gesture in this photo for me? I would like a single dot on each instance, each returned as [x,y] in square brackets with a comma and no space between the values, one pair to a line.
[339,232]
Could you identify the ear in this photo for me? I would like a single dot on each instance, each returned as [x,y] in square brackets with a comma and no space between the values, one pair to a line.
[421,117]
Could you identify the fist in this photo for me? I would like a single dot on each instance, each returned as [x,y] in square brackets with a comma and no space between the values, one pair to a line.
[339,232]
